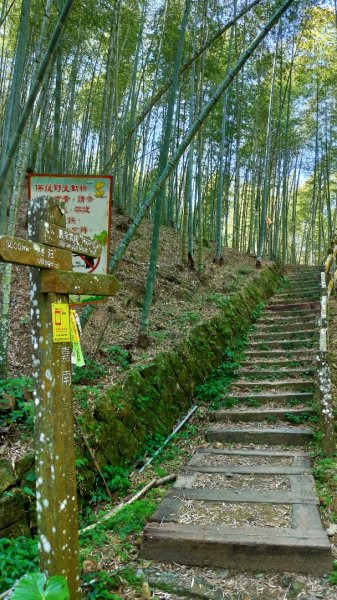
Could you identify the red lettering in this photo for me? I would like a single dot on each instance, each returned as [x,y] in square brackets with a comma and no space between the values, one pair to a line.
[82,209]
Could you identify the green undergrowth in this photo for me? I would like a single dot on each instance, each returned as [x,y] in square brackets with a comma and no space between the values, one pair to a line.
[325,474]
[90,373]
[213,391]
[17,557]
[129,521]
[19,393]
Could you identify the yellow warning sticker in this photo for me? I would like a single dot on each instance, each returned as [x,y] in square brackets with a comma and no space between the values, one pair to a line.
[60,321]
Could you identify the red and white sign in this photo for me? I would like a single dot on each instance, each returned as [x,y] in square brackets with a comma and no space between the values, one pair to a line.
[87,200]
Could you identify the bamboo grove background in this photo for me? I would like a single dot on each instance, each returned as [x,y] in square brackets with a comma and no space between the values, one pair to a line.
[119,87]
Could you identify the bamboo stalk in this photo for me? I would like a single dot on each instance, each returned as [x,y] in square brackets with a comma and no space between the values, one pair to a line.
[35,90]
[198,123]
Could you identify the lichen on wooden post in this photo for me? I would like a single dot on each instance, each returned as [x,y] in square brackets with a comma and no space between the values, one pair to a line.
[54,429]
[325,399]
[323,372]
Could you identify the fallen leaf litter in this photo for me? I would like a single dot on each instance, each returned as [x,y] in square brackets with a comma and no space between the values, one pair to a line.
[242,460]
[244,514]
[238,481]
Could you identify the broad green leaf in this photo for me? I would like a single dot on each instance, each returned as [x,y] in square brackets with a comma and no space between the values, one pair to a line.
[30,587]
[34,586]
[57,588]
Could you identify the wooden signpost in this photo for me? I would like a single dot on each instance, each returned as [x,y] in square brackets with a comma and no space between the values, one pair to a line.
[48,253]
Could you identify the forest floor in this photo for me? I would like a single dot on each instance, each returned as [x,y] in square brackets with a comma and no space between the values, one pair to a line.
[112,565]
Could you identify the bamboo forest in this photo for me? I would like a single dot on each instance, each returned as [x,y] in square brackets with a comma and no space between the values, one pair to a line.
[168,263]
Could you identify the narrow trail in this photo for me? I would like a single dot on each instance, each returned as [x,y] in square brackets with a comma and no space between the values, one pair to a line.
[251,504]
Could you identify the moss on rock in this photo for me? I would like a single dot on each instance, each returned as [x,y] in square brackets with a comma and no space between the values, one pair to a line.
[7,477]
[13,515]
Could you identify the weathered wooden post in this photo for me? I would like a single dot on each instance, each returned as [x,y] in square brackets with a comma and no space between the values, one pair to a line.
[48,253]
[323,368]
[56,499]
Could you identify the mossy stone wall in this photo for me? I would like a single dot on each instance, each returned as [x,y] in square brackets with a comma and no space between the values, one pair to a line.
[153,397]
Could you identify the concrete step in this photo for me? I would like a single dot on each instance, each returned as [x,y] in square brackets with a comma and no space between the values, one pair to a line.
[308,277]
[292,354]
[306,287]
[289,436]
[288,333]
[253,549]
[294,299]
[305,278]
[265,385]
[299,307]
[297,298]
[302,268]
[281,343]
[276,373]
[282,363]
[254,414]
[280,326]
[293,316]
[266,398]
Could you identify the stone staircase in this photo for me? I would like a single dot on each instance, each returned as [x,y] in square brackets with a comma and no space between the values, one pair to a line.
[250,503]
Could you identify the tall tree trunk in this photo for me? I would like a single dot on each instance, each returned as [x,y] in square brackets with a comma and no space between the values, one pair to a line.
[12,116]
[219,220]
[314,187]
[264,217]
[55,38]
[163,159]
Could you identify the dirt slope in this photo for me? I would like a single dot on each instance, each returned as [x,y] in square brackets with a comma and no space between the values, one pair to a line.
[181,299]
